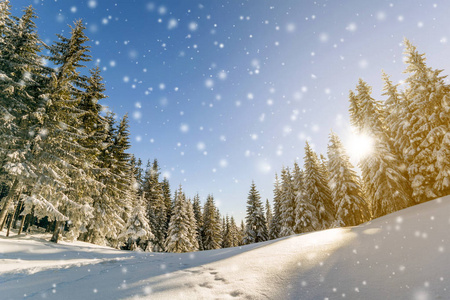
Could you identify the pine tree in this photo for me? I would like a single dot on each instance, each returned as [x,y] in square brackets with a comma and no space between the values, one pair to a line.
[428,100]
[275,224]
[211,225]
[256,229]
[192,229]
[167,199]
[227,231]
[351,208]
[235,237]
[305,211]
[241,233]
[65,181]
[269,214]
[287,201]
[317,191]
[382,171]
[199,220]
[114,204]
[21,79]
[156,206]
[178,237]
[396,109]
[5,22]
[137,230]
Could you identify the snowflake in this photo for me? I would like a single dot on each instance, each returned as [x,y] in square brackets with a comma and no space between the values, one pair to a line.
[201,146]
[92,4]
[193,26]
[290,27]
[184,128]
[351,27]
[173,23]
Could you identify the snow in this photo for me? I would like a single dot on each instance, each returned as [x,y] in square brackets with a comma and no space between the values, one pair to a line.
[403,255]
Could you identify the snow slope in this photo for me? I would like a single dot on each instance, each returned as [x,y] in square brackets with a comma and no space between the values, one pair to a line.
[404,255]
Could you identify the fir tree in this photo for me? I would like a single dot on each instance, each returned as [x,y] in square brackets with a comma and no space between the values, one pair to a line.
[235,237]
[66,178]
[211,225]
[287,201]
[275,224]
[227,231]
[22,77]
[156,206]
[317,191]
[305,211]
[428,100]
[178,237]
[351,208]
[192,229]
[199,220]
[167,199]
[137,230]
[256,229]
[269,214]
[382,171]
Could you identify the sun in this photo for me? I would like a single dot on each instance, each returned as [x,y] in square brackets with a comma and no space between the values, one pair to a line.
[359,145]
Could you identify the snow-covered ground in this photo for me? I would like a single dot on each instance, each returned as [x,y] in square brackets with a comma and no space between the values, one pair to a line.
[405,255]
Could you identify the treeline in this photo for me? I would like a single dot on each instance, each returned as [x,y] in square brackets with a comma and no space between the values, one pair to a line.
[409,162]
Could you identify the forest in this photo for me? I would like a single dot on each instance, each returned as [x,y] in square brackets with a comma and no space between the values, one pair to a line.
[66,166]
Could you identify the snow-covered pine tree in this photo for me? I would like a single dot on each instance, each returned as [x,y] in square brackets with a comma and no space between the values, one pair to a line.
[211,225]
[219,228]
[269,214]
[178,237]
[113,206]
[192,229]
[256,229]
[317,191]
[305,211]
[428,99]
[21,78]
[227,239]
[165,185]
[287,201]
[382,171]
[5,22]
[351,207]
[275,224]
[199,220]
[224,229]
[137,230]
[65,180]
[95,127]
[395,111]
[241,233]
[235,237]
[324,167]
[155,206]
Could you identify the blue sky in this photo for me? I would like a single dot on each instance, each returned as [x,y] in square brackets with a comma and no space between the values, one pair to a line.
[226,92]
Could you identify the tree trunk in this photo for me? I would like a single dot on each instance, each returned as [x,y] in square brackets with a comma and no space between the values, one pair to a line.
[11,219]
[3,224]
[21,224]
[56,232]
[29,221]
[17,214]
[8,200]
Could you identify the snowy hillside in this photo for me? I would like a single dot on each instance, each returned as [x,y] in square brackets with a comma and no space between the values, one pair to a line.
[404,255]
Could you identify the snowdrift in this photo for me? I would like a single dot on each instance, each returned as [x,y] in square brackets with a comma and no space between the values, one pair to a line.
[404,255]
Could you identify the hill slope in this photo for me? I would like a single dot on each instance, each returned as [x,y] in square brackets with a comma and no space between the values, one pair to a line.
[404,255]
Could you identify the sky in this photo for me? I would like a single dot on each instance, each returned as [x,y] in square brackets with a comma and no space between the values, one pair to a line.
[224,93]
